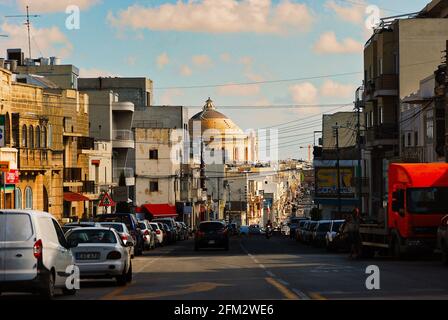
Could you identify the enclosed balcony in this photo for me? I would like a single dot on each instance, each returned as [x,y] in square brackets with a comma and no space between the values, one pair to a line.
[123,139]
[128,175]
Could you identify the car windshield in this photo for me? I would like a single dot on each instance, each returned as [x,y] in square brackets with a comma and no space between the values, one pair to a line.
[92,236]
[117,218]
[324,227]
[142,226]
[427,200]
[154,227]
[15,227]
[117,226]
[211,226]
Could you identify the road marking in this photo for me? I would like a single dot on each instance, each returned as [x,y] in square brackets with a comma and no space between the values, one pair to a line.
[269,273]
[283,282]
[302,295]
[283,289]
[316,296]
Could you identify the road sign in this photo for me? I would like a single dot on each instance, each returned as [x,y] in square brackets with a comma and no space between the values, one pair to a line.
[2,131]
[4,166]
[107,201]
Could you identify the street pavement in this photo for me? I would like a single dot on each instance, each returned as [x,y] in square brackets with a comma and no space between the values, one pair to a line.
[260,268]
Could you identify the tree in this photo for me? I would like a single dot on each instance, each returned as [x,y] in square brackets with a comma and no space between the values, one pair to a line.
[123,206]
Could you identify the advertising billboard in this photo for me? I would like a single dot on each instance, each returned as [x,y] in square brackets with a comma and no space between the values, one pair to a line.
[327,182]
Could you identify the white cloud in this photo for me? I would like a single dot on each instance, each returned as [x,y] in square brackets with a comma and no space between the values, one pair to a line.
[328,43]
[163,60]
[185,71]
[169,96]
[95,73]
[304,93]
[354,13]
[50,41]
[225,57]
[239,90]
[202,61]
[247,61]
[335,89]
[218,16]
[49,6]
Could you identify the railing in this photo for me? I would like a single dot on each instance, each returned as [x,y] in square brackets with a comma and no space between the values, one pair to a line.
[382,132]
[34,157]
[413,154]
[86,143]
[386,82]
[72,174]
[123,135]
[89,187]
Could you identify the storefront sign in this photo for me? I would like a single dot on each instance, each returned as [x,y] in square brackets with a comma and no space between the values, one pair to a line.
[12,177]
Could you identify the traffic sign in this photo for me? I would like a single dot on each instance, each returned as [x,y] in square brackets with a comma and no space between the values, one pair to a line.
[107,201]
[4,166]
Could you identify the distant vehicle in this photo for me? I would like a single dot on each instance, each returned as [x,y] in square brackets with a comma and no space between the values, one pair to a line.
[335,228]
[170,234]
[339,241]
[320,233]
[131,223]
[211,234]
[293,224]
[100,253]
[417,202]
[442,236]
[68,226]
[171,223]
[34,253]
[244,230]
[123,232]
[309,228]
[255,229]
[285,229]
[149,236]
[299,230]
[159,233]
[185,230]
[233,228]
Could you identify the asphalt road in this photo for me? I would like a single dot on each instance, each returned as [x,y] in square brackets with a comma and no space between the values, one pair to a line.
[258,268]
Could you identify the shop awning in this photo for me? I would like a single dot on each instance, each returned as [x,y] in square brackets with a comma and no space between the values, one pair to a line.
[74,197]
[159,210]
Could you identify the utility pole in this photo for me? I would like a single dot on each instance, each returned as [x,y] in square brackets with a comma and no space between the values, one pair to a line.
[338,167]
[358,141]
[28,25]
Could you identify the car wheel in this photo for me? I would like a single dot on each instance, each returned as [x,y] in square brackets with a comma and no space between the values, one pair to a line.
[68,292]
[47,291]
[122,279]
[129,274]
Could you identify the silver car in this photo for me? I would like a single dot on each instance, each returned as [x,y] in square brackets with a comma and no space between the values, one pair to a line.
[123,232]
[101,254]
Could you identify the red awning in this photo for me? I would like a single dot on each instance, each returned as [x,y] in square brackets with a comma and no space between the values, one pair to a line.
[74,197]
[159,210]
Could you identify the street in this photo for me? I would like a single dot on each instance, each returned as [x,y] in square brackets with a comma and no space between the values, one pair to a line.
[257,268]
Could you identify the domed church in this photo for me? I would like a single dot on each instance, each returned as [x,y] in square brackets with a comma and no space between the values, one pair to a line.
[219,133]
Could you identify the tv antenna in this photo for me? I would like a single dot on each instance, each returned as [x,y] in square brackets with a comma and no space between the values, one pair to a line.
[28,24]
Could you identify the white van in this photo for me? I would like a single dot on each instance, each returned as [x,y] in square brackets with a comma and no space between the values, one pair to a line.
[34,254]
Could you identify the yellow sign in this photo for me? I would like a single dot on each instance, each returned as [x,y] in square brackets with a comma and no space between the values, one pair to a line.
[327,182]
[4,166]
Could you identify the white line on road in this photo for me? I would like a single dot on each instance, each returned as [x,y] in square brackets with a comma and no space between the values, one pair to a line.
[302,295]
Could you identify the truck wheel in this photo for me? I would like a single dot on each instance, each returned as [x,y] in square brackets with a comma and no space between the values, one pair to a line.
[396,248]
[445,256]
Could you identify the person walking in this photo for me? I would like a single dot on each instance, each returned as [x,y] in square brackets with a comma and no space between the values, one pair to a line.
[354,239]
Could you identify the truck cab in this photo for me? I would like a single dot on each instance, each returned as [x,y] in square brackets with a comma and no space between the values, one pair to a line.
[417,202]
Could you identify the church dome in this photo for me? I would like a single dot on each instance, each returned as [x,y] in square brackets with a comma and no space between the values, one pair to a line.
[212,119]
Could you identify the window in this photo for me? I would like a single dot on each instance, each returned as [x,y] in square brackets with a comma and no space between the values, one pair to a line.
[38,137]
[31,137]
[381,115]
[44,137]
[24,137]
[60,234]
[28,198]
[409,139]
[7,129]
[153,154]
[380,66]
[154,186]
[416,138]
[430,127]
[18,199]
[50,135]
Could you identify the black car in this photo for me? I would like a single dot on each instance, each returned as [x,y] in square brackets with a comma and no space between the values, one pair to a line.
[211,234]
[131,223]
[293,224]
[171,223]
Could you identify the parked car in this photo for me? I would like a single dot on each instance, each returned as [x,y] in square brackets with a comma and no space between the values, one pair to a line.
[299,230]
[159,233]
[163,227]
[170,234]
[233,229]
[255,229]
[68,226]
[34,253]
[181,232]
[123,232]
[320,232]
[335,227]
[131,223]
[100,253]
[293,224]
[211,234]
[339,241]
[149,236]
[171,223]
[186,230]
[442,239]
[307,236]
[244,230]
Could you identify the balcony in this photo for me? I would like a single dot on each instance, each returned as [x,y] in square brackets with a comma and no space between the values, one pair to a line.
[413,155]
[128,175]
[385,134]
[73,175]
[123,107]
[34,159]
[386,85]
[86,143]
[123,139]
[89,187]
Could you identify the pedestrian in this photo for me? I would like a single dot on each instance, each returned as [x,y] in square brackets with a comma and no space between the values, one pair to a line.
[353,234]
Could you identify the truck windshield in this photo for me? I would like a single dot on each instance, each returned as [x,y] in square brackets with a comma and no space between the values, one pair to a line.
[427,200]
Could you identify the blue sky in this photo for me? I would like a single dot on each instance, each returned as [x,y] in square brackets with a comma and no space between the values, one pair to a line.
[217,42]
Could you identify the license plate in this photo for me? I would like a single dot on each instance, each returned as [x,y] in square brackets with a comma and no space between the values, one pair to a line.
[211,242]
[88,256]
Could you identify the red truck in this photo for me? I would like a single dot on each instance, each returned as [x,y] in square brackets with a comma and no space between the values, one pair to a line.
[417,201]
